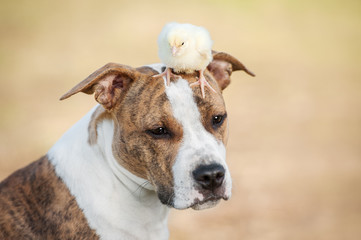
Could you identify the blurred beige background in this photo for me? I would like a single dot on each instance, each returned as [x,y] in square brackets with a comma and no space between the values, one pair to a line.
[295,141]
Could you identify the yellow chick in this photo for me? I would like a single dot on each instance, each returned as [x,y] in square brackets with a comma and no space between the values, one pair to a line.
[185,48]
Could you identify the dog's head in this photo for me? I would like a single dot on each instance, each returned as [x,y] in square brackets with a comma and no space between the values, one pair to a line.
[169,135]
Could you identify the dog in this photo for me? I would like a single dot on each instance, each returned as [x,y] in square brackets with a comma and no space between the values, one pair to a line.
[144,148]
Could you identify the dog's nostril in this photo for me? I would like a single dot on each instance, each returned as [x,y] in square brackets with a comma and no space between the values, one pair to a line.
[210,177]
[220,175]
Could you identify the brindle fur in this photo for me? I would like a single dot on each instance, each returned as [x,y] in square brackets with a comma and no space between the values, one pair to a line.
[35,204]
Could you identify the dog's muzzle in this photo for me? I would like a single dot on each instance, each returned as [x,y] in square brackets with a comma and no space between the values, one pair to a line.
[209,179]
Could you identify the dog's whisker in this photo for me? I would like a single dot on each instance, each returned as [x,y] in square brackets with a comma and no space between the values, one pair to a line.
[170,198]
[138,192]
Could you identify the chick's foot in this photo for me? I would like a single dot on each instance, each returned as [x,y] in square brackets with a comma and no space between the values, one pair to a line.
[168,73]
[202,82]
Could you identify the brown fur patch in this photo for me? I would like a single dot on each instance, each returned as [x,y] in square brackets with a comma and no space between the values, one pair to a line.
[36,204]
[147,70]
[98,115]
[145,107]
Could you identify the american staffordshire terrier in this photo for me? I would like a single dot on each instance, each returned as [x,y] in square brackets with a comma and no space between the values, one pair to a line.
[115,174]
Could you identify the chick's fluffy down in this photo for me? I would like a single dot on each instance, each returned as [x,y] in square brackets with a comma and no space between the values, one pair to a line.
[196,53]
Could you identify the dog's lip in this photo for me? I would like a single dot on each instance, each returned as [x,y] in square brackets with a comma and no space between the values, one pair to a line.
[211,198]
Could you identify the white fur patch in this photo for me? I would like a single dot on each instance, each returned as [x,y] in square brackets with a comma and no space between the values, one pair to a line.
[198,147]
[113,200]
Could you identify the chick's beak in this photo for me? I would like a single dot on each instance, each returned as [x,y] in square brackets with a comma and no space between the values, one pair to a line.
[174,50]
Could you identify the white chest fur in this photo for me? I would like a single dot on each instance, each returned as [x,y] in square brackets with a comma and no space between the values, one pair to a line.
[112,199]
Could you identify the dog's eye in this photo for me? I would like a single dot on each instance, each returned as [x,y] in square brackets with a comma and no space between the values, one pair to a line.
[159,132]
[218,120]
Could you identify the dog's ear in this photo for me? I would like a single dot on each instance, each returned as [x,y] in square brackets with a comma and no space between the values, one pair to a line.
[107,83]
[222,67]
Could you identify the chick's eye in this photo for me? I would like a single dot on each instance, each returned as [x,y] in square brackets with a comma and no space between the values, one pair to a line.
[182,43]
[159,132]
[217,120]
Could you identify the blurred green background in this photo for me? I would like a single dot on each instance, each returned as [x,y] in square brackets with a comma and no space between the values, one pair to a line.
[295,130]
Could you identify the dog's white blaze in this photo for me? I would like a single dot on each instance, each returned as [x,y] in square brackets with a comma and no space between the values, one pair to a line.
[198,146]
[113,200]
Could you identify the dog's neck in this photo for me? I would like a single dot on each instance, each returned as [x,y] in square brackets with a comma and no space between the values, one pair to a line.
[115,202]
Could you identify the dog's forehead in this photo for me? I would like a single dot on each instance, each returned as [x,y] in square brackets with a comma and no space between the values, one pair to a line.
[184,107]
[212,100]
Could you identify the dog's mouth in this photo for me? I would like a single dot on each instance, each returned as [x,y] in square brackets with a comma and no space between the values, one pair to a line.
[209,202]
[195,198]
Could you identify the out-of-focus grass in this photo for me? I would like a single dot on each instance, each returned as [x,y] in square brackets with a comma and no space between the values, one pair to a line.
[294,149]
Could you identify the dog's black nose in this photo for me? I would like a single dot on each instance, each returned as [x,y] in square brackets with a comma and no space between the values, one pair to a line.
[210,176]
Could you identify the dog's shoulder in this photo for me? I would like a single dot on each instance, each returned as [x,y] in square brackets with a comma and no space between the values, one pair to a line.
[36,204]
